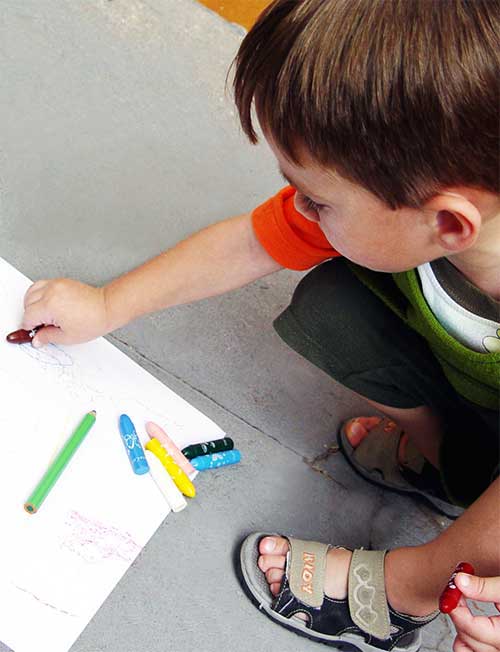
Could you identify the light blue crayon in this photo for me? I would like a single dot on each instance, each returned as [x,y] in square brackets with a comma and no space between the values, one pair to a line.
[133,446]
[215,460]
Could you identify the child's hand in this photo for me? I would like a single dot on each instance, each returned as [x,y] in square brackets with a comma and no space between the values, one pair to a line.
[71,311]
[477,633]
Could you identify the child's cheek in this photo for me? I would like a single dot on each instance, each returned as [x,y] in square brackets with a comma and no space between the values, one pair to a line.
[339,240]
[356,249]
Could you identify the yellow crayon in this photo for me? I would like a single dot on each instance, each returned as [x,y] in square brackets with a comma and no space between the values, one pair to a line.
[175,472]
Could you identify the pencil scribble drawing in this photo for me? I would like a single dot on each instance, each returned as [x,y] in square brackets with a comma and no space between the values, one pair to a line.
[49,355]
[45,604]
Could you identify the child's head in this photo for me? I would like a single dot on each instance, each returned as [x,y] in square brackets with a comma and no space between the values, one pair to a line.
[390,102]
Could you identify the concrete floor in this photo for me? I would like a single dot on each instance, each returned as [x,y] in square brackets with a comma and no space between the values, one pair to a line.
[117,140]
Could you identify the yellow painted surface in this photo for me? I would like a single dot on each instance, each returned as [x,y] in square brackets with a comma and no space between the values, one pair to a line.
[243,12]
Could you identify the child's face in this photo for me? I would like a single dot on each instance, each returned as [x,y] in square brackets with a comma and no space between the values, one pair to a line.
[356,223]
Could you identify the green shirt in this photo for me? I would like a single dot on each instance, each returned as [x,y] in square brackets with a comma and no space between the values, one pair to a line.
[474,375]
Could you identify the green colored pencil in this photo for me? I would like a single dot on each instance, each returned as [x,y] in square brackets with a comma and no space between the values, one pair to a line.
[62,460]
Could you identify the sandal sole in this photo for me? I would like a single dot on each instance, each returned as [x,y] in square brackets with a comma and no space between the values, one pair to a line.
[251,580]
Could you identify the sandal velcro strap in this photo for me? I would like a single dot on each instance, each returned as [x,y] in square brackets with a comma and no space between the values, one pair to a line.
[306,570]
[367,599]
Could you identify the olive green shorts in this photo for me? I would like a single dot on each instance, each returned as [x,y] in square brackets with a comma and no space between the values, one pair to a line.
[343,328]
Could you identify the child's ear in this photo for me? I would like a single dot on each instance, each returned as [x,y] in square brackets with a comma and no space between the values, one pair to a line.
[456,221]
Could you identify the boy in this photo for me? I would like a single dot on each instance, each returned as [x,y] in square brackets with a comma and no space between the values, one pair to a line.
[383,116]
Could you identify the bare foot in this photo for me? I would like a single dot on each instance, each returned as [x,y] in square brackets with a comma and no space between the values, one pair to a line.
[358,428]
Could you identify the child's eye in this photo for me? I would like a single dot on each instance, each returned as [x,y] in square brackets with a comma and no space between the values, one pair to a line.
[310,208]
[312,205]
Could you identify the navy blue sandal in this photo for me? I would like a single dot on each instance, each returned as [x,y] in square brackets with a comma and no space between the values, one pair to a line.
[363,620]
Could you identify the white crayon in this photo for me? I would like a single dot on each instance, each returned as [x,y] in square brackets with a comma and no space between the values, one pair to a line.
[165,483]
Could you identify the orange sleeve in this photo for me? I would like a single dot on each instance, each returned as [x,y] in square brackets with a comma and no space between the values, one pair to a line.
[292,240]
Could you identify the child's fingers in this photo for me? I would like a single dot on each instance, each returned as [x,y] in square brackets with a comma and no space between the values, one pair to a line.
[460,646]
[483,629]
[34,296]
[34,315]
[467,644]
[485,589]
[470,643]
[461,615]
[33,289]
[49,335]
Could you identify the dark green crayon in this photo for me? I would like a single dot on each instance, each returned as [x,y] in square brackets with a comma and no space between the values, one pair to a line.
[208,447]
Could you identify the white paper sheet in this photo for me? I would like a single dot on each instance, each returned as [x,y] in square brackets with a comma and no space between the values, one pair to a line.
[58,566]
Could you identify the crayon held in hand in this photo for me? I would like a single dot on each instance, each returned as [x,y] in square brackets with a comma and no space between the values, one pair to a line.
[62,460]
[21,336]
[451,595]
[208,447]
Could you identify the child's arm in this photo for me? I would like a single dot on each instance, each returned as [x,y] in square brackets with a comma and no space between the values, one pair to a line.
[219,258]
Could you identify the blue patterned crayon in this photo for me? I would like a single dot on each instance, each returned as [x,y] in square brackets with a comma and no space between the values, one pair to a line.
[133,446]
[215,460]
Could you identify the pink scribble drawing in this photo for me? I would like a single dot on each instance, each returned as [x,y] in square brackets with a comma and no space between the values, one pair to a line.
[94,541]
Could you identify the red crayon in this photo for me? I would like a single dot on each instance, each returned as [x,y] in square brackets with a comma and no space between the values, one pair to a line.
[451,595]
[21,336]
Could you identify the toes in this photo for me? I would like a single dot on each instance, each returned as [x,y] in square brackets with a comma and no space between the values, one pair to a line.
[355,432]
[273,546]
[357,429]
[271,561]
[273,565]
[274,576]
[370,422]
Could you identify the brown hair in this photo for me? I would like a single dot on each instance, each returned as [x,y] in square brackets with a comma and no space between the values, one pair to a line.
[400,96]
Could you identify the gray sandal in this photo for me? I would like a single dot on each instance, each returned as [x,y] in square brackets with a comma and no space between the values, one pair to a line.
[376,459]
[364,620]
